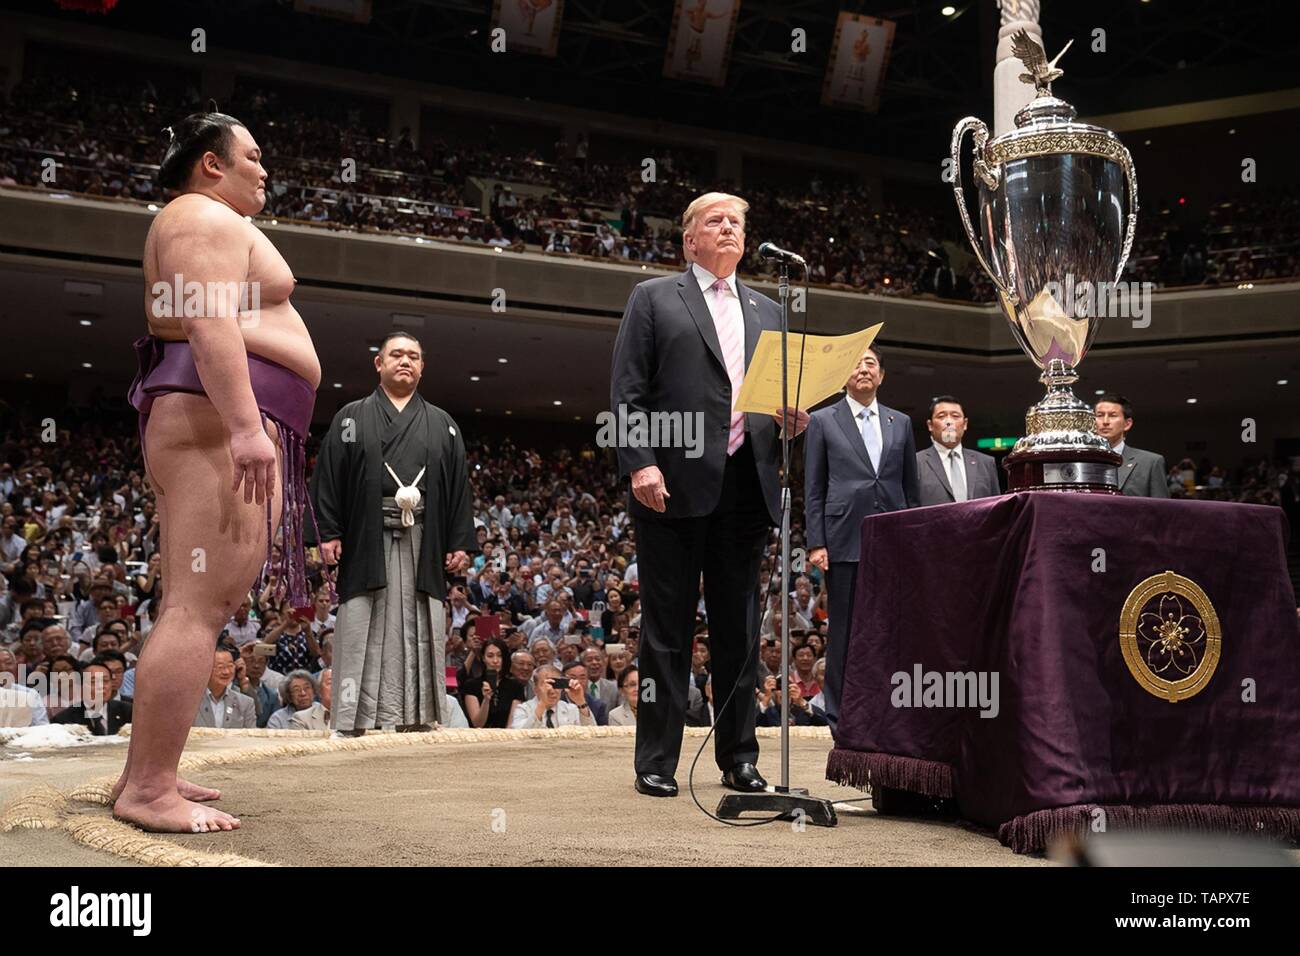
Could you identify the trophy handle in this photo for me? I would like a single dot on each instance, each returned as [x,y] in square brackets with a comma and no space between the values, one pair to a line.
[988,175]
[1130,174]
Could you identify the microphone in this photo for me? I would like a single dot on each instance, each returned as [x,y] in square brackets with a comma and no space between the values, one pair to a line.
[769,251]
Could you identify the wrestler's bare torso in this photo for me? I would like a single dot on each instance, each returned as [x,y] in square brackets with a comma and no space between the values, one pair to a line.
[275,331]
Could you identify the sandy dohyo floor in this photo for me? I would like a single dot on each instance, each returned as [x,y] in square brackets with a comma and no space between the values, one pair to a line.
[508,801]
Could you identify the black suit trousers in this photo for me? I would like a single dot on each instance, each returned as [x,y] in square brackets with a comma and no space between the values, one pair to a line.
[841,584]
[727,547]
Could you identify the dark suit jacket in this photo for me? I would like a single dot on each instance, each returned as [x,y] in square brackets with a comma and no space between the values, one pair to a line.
[514,606]
[1143,474]
[667,359]
[840,486]
[119,714]
[936,487]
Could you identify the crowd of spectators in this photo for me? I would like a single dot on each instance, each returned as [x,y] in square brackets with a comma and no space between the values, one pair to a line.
[553,592]
[554,587]
[333,164]
[1235,242]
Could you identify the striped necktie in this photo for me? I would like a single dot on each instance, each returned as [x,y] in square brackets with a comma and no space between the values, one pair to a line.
[729,322]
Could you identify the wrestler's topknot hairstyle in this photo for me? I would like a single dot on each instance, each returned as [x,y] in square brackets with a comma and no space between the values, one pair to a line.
[193,136]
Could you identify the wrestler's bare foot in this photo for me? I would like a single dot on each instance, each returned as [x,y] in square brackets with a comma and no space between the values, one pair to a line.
[171,813]
[190,791]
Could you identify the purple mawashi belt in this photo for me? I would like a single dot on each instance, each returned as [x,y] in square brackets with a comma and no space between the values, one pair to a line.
[284,397]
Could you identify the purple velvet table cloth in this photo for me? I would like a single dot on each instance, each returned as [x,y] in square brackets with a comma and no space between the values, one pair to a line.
[1014,586]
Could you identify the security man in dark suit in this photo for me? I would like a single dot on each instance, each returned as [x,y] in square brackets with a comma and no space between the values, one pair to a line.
[683,347]
[948,471]
[1142,473]
[103,716]
[859,460]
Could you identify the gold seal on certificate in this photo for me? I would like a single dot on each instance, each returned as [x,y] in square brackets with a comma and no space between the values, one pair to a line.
[828,361]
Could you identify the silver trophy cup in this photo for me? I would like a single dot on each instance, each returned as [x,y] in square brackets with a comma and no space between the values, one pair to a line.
[1057,212]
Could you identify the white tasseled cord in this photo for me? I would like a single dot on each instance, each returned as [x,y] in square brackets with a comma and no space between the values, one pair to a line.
[407,497]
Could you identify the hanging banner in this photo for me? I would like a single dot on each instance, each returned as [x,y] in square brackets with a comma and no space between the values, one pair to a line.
[699,43]
[532,26]
[859,56]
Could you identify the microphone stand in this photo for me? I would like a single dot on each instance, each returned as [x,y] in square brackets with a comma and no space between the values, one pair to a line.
[785,802]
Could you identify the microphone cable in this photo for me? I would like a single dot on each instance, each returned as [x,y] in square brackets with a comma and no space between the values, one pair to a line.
[753,645]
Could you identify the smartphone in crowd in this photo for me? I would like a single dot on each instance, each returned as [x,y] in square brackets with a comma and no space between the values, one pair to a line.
[262,649]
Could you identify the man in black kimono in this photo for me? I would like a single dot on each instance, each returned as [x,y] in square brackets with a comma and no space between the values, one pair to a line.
[392,498]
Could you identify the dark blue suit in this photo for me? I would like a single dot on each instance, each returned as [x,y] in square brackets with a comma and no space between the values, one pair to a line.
[840,489]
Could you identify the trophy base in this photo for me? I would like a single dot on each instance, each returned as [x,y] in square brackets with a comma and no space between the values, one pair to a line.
[1061,450]
[1083,471]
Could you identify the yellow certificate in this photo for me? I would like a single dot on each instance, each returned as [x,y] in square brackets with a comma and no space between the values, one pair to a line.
[828,361]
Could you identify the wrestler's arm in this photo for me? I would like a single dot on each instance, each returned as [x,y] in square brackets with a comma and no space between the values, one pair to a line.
[211,246]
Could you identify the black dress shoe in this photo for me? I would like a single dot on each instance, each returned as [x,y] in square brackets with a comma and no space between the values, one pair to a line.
[745,778]
[656,785]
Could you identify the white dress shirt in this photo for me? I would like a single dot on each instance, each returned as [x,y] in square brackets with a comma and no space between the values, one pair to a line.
[1118,449]
[244,633]
[945,459]
[706,279]
[21,707]
[218,705]
[12,547]
[541,629]
[857,408]
[566,714]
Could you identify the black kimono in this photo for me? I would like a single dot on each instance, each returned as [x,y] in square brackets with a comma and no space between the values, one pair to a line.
[350,481]
[390,637]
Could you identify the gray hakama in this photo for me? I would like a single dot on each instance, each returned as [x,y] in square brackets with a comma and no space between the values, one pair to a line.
[390,655]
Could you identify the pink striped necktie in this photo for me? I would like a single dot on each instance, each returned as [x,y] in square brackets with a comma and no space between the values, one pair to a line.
[730,325]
